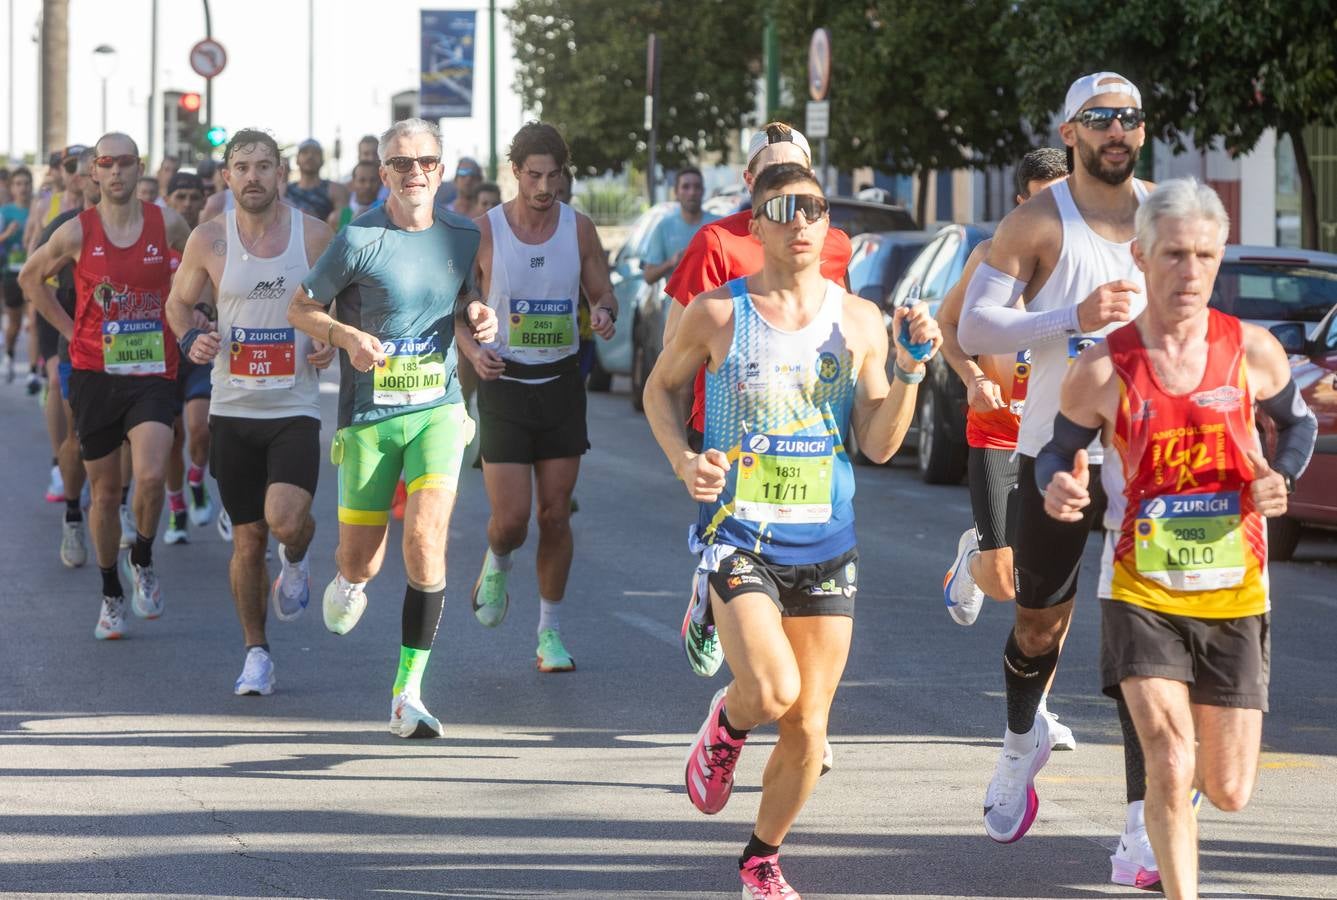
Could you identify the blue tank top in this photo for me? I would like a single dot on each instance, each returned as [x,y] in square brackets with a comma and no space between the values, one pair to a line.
[779,406]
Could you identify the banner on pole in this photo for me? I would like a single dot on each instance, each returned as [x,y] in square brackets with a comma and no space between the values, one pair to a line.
[446,83]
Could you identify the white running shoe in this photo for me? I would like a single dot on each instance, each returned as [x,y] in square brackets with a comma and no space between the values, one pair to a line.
[959,590]
[55,489]
[129,530]
[176,532]
[1010,803]
[257,675]
[225,526]
[111,619]
[410,719]
[147,600]
[1134,862]
[828,758]
[1060,735]
[343,605]
[200,513]
[292,589]
[73,546]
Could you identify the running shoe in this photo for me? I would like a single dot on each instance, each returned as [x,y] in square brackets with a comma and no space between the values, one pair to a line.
[9,369]
[176,533]
[34,384]
[146,599]
[111,620]
[711,760]
[73,546]
[763,880]
[828,759]
[1060,735]
[1010,804]
[55,489]
[129,530]
[699,640]
[1133,862]
[552,655]
[292,589]
[490,598]
[963,596]
[257,675]
[225,526]
[201,505]
[343,606]
[410,719]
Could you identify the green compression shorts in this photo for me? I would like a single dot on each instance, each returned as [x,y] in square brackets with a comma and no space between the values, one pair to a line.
[426,446]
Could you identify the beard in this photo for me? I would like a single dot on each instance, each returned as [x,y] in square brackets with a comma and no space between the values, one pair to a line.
[1095,166]
[254,203]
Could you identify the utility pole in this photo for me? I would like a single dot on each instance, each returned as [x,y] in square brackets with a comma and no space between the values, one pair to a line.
[153,81]
[208,82]
[491,89]
[55,74]
[771,51]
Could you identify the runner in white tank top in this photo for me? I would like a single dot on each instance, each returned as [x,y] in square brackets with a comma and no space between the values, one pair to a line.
[536,255]
[265,415]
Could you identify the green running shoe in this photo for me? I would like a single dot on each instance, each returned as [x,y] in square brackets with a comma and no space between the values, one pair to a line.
[490,598]
[552,655]
[700,642]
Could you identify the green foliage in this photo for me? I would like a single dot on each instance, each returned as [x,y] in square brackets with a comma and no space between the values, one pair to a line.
[609,204]
[582,63]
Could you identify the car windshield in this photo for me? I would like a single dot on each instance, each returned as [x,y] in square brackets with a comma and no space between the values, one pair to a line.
[859,218]
[1283,291]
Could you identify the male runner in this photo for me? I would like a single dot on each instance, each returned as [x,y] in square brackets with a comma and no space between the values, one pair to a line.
[310,193]
[124,357]
[468,179]
[265,415]
[489,195]
[668,242]
[366,194]
[13,220]
[398,272]
[718,253]
[147,190]
[167,170]
[1185,626]
[1066,255]
[535,256]
[793,362]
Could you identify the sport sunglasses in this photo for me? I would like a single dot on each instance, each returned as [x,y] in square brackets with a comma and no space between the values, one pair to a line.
[124,160]
[783,208]
[1100,118]
[404,164]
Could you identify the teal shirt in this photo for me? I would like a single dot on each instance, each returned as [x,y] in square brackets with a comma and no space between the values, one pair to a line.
[11,250]
[400,286]
[672,235]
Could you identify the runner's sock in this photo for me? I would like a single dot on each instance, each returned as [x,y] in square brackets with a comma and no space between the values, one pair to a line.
[500,563]
[412,664]
[111,583]
[73,513]
[1134,764]
[732,732]
[195,475]
[292,557]
[349,586]
[421,616]
[548,614]
[176,501]
[141,554]
[1025,677]
[757,847]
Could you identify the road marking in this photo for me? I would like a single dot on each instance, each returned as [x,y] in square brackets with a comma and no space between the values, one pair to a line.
[648,625]
[652,593]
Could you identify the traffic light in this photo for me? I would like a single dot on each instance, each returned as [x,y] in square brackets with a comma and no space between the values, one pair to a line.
[216,136]
[181,125]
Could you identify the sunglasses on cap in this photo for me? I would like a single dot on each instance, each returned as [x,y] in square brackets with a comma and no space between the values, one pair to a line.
[124,160]
[466,172]
[784,208]
[1100,118]
[70,165]
[404,164]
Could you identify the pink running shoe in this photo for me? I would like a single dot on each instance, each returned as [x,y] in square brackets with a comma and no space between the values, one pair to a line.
[762,879]
[711,761]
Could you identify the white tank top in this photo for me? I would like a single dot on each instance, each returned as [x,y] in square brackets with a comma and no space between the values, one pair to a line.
[535,289]
[261,370]
[1085,262]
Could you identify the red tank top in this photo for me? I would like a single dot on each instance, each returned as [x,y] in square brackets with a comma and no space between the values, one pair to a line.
[997,429]
[121,294]
[1192,542]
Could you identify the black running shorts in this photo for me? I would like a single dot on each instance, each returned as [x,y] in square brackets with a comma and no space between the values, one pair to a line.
[816,589]
[106,407]
[248,455]
[1047,553]
[9,287]
[524,423]
[992,482]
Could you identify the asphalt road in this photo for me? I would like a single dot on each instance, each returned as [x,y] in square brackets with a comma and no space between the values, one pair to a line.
[129,768]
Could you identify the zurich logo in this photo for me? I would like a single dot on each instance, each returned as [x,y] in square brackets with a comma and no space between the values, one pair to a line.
[238,334]
[759,443]
[388,348]
[522,306]
[1155,508]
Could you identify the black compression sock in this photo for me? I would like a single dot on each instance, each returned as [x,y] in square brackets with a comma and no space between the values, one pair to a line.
[111,583]
[757,847]
[1025,677]
[73,512]
[125,495]
[1134,764]
[732,732]
[141,554]
[422,615]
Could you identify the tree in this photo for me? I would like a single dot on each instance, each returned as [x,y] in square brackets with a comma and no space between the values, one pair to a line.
[1211,70]
[917,85]
[582,64]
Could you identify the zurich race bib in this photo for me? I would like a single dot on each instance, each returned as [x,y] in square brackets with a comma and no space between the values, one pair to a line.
[1079,342]
[1190,542]
[262,359]
[413,372]
[542,324]
[1021,379]
[784,479]
[133,347]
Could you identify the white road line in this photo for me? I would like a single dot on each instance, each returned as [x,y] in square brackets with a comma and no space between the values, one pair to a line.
[656,630]
[652,593]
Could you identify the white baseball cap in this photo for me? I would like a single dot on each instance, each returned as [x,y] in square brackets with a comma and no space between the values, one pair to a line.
[1089,86]
[776,133]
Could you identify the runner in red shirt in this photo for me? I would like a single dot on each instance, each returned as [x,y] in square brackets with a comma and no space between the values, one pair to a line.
[124,356]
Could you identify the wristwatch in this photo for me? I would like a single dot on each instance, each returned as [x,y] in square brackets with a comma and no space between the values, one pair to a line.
[1289,481]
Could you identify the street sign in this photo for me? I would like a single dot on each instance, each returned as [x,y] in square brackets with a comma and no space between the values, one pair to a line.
[819,64]
[818,121]
[208,58]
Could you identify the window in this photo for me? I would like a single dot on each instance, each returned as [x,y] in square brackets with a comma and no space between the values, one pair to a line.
[1287,292]
[939,277]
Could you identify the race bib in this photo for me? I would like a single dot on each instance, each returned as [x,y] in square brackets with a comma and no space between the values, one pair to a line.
[16,257]
[262,359]
[1079,342]
[413,372]
[784,479]
[542,324]
[133,347]
[1021,379]
[1191,542]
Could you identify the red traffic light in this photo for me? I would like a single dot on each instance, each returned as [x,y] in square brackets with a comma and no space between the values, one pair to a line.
[190,102]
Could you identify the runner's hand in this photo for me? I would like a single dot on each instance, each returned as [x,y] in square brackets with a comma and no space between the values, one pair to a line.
[482,322]
[488,364]
[365,351]
[602,323]
[1107,304]
[704,474]
[983,394]
[321,355]
[206,345]
[923,329]
[1067,494]
[1268,487]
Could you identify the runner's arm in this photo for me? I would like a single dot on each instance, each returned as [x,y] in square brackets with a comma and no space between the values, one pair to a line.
[309,309]
[177,229]
[1279,396]
[214,206]
[701,269]
[188,286]
[883,410]
[594,278]
[46,262]
[671,379]
[949,319]
[1088,400]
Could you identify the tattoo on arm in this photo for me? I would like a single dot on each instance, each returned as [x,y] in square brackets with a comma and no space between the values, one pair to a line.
[220,248]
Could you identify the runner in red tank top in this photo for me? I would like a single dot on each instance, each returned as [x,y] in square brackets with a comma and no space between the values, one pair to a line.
[124,359]
[1185,624]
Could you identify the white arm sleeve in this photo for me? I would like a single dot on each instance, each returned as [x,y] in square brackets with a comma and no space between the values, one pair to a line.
[991,323]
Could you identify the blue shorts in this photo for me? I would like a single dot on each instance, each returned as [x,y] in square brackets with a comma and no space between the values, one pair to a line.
[193,382]
[66,367]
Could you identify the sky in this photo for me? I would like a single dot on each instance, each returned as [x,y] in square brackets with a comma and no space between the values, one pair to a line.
[365,52]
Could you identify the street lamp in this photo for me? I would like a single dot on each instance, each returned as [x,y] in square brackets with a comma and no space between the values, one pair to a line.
[104,63]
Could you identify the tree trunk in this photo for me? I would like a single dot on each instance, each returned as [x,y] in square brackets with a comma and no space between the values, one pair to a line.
[921,205]
[1308,196]
[55,75]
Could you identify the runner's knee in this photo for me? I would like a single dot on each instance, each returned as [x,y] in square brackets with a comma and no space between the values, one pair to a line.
[1229,791]
[554,516]
[1039,631]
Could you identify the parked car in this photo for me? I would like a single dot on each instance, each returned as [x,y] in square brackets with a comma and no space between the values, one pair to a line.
[1270,285]
[852,216]
[1314,368]
[879,258]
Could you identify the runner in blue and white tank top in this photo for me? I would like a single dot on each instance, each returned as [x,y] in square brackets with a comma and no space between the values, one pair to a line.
[793,364]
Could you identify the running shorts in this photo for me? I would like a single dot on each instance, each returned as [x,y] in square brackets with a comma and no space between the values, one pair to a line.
[193,382]
[248,455]
[9,287]
[1224,662]
[992,482]
[106,407]
[65,369]
[524,423]
[813,589]
[48,339]
[426,446]
[1047,553]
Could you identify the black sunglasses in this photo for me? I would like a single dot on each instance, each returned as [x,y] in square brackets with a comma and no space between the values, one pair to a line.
[783,208]
[404,164]
[1100,118]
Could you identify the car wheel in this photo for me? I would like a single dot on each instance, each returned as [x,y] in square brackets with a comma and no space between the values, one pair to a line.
[940,462]
[638,377]
[1283,536]
[599,380]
